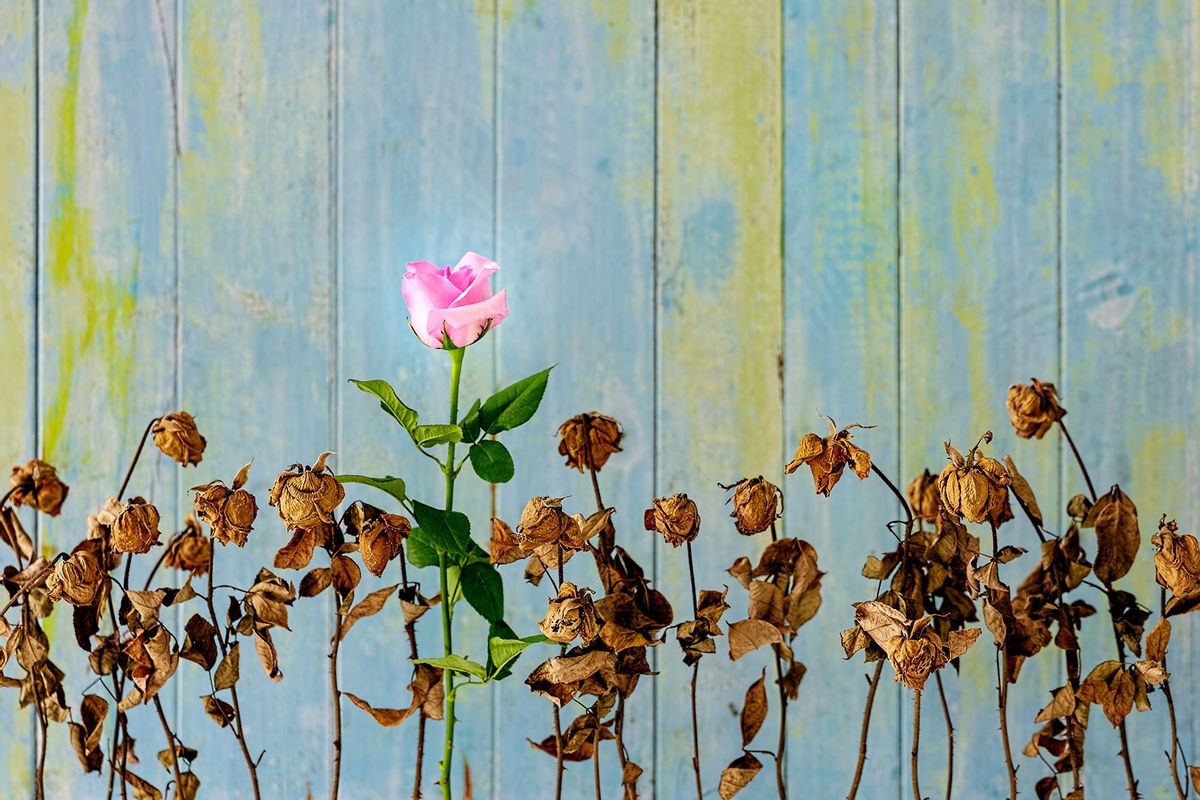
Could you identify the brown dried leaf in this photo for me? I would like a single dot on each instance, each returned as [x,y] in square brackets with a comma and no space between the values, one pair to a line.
[315,581]
[1117,537]
[227,673]
[882,622]
[1157,641]
[1062,705]
[297,552]
[1024,492]
[200,643]
[387,717]
[737,775]
[754,710]
[86,734]
[345,575]
[267,654]
[368,606]
[748,635]
[220,711]
[960,641]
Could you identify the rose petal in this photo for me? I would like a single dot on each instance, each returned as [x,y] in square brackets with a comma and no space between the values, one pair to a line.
[465,323]
[473,276]
[425,290]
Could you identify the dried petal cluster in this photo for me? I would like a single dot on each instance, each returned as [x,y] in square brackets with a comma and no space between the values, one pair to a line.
[135,529]
[36,484]
[587,440]
[975,487]
[229,510]
[1033,408]
[827,457]
[190,551]
[756,504]
[307,496]
[1177,566]
[571,615]
[675,517]
[380,535]
[543,522]
[913,649]
[923,496]
[176,435]
[79,579]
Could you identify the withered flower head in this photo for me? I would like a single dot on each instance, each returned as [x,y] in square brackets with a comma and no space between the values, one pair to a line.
[191,551]
[913,648]
[77,580]
[380,538]
[827,457]
[1078,507]
[675,517]
[135,529]
[176,435]
[307,496]
[543,522]
[587,440]
[1033,408]
[570,614]
[1176,561]
[923,496]
[230,510]
[755,504]
[915,659]
[100,530]
[36,484]
[975,487]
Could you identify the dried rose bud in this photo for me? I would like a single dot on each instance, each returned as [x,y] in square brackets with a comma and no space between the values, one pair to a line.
[755,504]
[191,551]
[78,580]
[135,529]
[675,517]
[307,497]
[1033,408]
[923,496]
[915,659]
[1176,559]
[230,510]
[587,440]
[827,457]
[1078,507]
[36,484]
[380,539]
[975,487]
[570,614]
[543,522]
[176,435]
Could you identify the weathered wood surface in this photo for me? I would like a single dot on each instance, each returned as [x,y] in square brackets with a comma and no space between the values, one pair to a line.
[717,219]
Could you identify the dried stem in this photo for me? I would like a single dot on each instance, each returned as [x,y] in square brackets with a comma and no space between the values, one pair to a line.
[596,753]
[32,583]
[1130,780]
[162,718]
[1002,697]
[916,744]
[899,496]
[949,736]
[337,703]
[695,679]
[34,679]
[410,630]
[1173,758]
[1078,459]
[558,738]
[781,747]
[136,455]
[866,726]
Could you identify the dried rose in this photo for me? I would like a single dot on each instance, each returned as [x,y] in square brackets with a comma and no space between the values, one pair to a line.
[1033,408]
[36,484]
[191,551]
[975,487]
[230,510]
[587,440]
[755,504]
[135,530]
[827,457]
[915,659]
[380,539]
[176,435]
[923,496]
[543,523]
[1176,560]
[307,497]
[675,517]
[570,614]
[78,580]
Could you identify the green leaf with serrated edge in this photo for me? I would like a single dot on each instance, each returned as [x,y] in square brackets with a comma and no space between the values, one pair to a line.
[429,435]
[484,590]
[514,405]
[449,531]
[456,663]
[503,652]
[389,402]
[492,461]
[470,423]
[420,551]
[393,486]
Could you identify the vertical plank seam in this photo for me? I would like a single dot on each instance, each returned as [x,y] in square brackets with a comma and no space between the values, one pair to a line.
[899,419]
[1060,237]
[38,256]
[1190,189]
[494,345]
[333,144]
[783,432]
[655,432]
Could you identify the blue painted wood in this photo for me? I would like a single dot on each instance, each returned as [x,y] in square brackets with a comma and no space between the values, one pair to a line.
[842,325]
[576,193]
[417,183]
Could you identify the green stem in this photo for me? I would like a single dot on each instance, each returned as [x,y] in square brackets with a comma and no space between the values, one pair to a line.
[456,359]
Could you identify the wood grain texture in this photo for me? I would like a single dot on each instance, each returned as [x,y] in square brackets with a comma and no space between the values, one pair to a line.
[979,305]
[720,329]
[255,107]
[576,193]
[107,292]
[18,310]
[1130,310]
[416,184]
[840,359]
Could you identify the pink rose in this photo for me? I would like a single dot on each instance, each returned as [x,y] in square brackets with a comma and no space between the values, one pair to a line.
[459,301]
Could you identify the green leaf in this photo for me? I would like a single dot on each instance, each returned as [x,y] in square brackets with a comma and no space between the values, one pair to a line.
[428,435]
[456,663]
[393,486]
[492,461]
[448,531]
[420,550]
[454,581]
[514,405]
[502,652]
[470,423]
[484,590]
[389,402]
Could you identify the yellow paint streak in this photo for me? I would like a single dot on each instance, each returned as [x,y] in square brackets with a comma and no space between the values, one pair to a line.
[1166,80]
[16,253]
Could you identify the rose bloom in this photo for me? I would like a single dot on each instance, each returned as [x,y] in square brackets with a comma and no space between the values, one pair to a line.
[458,301]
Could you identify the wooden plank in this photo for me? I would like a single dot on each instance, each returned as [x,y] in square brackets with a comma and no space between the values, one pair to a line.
[1130,309]
[417,151]
[18,307]
[840,358]
[576,235]
[979,307]
[107,288]
[257,288]
[720,316]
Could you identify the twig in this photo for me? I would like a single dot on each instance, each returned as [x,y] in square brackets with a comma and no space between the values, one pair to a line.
[162,718]
[695,679]
[866,726]
[337,703]
[781,747]
[32,583]
[1078,459]
[136,455]
[35,679]
[1002,695]
[1130,780]
[410,630]
[937,676]
[596,752]
[558,737]
[916,744]
[1180,792]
